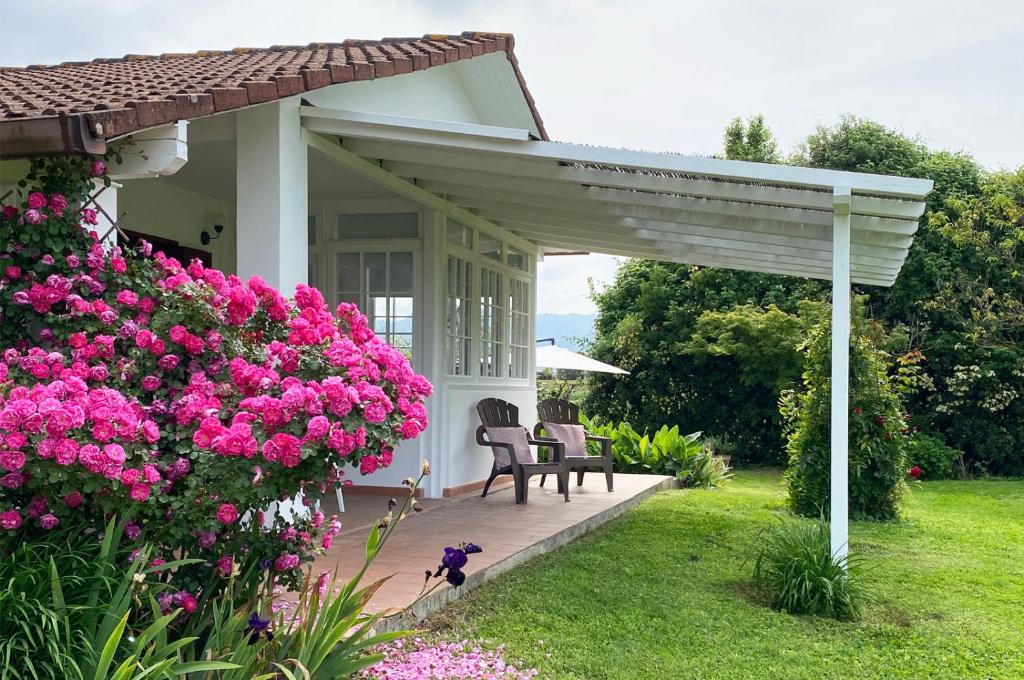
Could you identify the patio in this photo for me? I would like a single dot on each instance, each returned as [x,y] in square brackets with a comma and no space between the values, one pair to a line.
[510,535]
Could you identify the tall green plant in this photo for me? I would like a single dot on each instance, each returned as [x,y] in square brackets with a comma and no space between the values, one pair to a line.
[877,439]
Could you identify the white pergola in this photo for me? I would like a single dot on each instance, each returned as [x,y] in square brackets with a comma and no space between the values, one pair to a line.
[824,224]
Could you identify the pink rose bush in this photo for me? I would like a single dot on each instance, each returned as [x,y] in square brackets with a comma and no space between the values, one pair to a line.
[181,397]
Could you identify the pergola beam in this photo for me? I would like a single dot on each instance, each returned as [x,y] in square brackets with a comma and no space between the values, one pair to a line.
[697,255]
[542,230]
[602,199]
[414,158]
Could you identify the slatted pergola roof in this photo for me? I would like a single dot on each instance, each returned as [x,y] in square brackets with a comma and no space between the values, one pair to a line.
[704,211]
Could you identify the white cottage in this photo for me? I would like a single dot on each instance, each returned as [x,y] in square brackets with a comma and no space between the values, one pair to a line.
[414,177]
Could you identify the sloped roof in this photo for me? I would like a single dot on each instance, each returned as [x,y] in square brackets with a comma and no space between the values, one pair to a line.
[119,96]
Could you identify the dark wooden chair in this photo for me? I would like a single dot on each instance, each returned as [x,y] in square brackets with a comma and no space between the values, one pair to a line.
[498,413]
[562,412]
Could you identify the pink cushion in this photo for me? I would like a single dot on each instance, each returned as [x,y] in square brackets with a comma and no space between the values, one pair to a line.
[573,436]
[516,436]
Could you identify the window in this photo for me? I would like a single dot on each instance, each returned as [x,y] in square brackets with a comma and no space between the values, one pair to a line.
[376,225]
[381,285]
[459,338]
[516,259]
[489,246]
[492,325]
[460,234]
[488,298]
[519,325]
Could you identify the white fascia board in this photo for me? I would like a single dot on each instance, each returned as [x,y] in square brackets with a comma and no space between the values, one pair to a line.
[416,160]
[360,120]
[416,132]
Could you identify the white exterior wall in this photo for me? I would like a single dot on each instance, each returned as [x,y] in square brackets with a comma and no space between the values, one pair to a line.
[161,209]
[272,194]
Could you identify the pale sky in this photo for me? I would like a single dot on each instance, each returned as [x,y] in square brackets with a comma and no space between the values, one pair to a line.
[665,76]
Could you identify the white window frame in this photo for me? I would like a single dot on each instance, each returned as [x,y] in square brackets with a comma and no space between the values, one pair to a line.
[328,247]
[506,274]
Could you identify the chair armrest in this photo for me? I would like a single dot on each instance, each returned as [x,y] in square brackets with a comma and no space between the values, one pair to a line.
[596,438]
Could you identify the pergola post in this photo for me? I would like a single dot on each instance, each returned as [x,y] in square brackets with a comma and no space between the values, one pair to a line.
[839,459]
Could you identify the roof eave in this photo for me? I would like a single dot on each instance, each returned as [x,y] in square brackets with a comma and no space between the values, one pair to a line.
[53,136]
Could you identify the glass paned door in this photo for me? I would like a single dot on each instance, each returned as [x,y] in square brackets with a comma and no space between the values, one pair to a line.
[381,285]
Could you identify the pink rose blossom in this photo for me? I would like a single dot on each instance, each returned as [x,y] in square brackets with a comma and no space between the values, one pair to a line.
[227,513]
[286,562]
[10,520]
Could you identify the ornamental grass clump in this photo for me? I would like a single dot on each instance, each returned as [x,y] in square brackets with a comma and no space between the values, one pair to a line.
[796,569]
[184,400]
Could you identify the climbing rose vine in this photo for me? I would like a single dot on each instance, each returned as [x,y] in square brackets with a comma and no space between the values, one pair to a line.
[184,400]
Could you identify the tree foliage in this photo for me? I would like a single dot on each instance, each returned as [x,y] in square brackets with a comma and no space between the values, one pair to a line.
[751,141]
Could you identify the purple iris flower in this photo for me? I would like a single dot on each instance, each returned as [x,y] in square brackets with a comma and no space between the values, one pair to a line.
[453,561]
[454,558]
[257,627]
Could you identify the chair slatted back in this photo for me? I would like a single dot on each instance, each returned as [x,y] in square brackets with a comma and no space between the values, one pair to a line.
[496,412]
[560,411]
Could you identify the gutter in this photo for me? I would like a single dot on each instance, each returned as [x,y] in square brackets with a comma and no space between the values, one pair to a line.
[55,136]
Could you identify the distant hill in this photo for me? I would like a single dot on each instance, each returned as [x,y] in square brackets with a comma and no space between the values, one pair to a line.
[566,328]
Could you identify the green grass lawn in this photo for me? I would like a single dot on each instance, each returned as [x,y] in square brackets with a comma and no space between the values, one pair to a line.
[664,593]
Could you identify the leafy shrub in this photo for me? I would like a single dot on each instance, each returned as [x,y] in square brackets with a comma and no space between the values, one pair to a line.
[178,397]
[797,570]
[877,435]
[932,456]
[667,452]
[67,601]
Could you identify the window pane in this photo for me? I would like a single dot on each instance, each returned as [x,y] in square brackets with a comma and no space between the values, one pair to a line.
[401,272]
[313,271]
[311,230]
[376,268]
[460,234]
[401,306]
[376,225]
[516,258]
[458,343]
[348,273]
[489,247]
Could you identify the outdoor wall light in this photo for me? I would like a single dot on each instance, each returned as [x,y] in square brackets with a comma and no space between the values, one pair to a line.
[218,228]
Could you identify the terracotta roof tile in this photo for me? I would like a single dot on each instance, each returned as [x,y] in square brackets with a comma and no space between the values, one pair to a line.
[121,95]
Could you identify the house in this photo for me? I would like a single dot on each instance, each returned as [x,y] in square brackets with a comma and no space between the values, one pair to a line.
[415,177]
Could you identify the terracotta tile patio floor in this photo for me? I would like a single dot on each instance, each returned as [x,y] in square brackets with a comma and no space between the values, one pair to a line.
[510,534]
